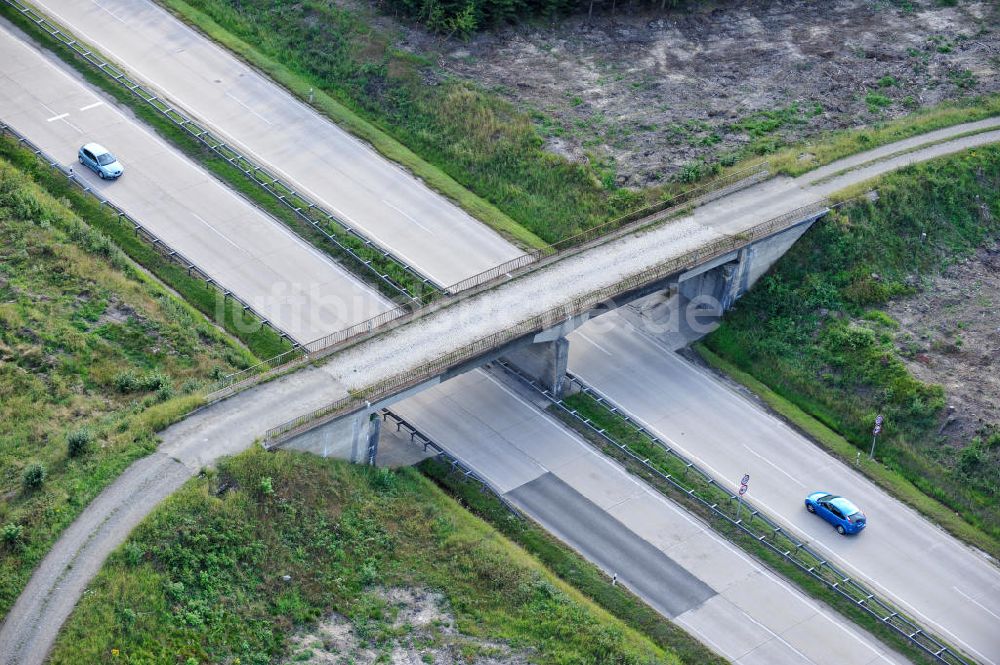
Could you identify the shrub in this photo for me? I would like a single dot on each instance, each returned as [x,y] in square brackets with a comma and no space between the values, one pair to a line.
[78,441]
[134,553]
[34,476]
[12,534]
[155,380]
[876,102]
[266,486]
[126,382]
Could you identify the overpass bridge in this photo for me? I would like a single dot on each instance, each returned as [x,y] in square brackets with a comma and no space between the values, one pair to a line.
[526,320]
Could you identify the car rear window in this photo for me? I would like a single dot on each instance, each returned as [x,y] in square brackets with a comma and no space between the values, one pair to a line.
[105,159]
[856,517]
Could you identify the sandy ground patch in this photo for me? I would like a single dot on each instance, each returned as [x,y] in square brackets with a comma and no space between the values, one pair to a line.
[416,628]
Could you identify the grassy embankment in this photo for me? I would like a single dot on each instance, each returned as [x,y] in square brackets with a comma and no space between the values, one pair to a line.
[230,174]
[95,356]
[812,332]
[200,580]
[616,428]
[476,148]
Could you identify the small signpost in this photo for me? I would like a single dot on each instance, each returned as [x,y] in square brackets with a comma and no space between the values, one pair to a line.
[743,490]
[875,432]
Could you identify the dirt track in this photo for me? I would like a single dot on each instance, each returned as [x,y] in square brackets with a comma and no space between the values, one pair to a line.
[225,428]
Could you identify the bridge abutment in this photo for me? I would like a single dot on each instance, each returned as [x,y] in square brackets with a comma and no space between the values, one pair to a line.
[353,437]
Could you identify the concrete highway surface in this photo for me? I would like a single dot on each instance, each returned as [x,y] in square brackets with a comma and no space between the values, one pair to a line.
[674,562]
[338,171]
[945,585]
[302,291]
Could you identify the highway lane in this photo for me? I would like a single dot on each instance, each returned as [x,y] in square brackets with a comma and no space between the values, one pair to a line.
[302,291]
[944,584]
[674,562]
[344,174]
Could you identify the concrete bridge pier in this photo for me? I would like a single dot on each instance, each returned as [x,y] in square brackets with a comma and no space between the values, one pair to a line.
[545,355]
[546,361]
[352,437]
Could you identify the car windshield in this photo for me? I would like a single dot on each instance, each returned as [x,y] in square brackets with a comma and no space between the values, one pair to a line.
[105,159]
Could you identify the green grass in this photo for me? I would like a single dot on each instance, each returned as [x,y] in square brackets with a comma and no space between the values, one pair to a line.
[91,348]
[232,176]
[809,333]
[570,566]
[831,146]
[619,430]
[200,580]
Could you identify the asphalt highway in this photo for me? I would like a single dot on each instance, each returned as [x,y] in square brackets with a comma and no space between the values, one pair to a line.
[945,585]
[302,291]
[343,174]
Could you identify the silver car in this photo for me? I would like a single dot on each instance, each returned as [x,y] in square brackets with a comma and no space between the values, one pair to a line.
[99,159]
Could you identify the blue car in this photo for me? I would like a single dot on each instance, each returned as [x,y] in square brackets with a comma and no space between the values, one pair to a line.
[98,159]
[838,511]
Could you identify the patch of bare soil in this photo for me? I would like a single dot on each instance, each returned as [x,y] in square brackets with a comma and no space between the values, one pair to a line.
[416,628]
[648,92]
[949,334]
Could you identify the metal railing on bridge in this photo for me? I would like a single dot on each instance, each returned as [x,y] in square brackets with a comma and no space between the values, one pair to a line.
[757,525]
[633,221]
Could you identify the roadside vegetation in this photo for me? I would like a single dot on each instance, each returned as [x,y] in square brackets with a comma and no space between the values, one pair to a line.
[463,17]
[95,356]
[814,330]
[827,148]
[226,568]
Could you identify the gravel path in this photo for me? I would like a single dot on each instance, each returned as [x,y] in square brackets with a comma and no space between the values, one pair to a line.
[234,424]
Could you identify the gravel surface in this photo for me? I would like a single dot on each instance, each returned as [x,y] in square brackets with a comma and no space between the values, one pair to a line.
[234,424]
